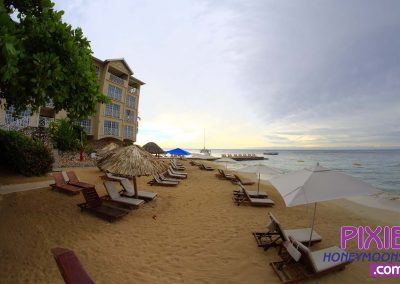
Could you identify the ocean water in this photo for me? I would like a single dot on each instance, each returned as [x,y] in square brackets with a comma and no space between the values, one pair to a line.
[380,168]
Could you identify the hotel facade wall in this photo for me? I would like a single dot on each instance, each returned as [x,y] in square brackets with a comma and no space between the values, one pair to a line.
[117,119]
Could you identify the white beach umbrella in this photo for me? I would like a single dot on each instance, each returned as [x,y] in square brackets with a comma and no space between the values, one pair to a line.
[260,169]
[226,161]
[318,184]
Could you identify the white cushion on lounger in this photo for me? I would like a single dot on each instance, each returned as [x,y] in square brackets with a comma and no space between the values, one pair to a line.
[303,235]
[128,200]
[317,258]
[261,201]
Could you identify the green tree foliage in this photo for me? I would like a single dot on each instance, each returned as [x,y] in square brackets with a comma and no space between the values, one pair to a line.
[66,135]
[42,59]
[24,155]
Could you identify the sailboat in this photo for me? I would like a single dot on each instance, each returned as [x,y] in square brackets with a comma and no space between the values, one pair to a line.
[204,151]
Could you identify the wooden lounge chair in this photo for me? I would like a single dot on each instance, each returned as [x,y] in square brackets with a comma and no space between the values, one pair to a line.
[94,204]
[205,168]
[300,263]
[222,175]
[115,197]
[157,181]
[243,181]
[175,168]
[70,267]
[63,186]
[175,161]
[164,178]
[251,193]
[176,175]
[74,180]
[111,177]
[246,199]
[129,191]
[276,235]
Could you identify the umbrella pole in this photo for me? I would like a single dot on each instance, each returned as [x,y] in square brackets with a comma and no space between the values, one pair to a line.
[258,190]
[135,187]
[312,226]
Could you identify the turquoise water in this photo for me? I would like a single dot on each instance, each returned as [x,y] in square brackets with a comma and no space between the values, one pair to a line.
[380,168]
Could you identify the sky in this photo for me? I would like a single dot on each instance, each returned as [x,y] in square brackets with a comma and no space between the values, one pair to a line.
[268,74]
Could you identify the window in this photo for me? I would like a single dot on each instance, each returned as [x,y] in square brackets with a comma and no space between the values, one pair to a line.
[114,92]
[97,68]
[112,110]
[128,131]
[129,115]
[23,121]
[45,121]
[111,128]
[130,101]
[87,126]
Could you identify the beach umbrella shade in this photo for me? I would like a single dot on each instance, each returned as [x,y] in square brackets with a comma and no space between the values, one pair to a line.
[226,161]
[318,184]
[260,169]
[153,148]
[133,161]
[178,151]
[106,149]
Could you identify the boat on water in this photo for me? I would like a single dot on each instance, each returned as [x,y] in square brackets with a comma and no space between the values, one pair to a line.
[204,151]
[271,153]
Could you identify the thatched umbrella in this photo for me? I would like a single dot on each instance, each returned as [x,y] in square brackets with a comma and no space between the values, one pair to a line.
[153,148]
[106,149]
[132,161]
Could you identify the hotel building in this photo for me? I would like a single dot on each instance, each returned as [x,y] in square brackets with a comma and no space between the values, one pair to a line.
[119,119]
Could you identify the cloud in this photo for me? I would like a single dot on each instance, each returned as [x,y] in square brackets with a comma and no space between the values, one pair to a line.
[283,73]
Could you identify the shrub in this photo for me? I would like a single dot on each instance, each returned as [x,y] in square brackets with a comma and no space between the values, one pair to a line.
[127,142]
[65,135]
[24,155]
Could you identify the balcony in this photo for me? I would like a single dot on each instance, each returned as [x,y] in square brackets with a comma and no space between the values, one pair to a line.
[115,79]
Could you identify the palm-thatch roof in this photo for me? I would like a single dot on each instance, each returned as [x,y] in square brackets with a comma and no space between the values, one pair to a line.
[153,148]
[132,161]
[106,149]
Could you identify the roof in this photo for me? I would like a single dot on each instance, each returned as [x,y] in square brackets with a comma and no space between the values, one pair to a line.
[136,80]
[123,61]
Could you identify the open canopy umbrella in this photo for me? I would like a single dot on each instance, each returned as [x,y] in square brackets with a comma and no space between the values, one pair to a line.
[260,169]
[132,161]
[178,151]
[318,184]
[153,148]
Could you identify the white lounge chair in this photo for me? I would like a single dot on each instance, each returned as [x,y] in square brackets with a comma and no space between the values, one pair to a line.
[276,235]
[116,197]
[129,191]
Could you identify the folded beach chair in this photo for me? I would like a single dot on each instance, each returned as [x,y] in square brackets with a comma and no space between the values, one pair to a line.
[129,191]
[301,263]
[246,199]
[117,198]
[70,267]
[63,186]
[176,175]
[94,204]
[243,181]
[276,235]
[111,177]
[205,168]
[157,181]
[251,193]
[74,180]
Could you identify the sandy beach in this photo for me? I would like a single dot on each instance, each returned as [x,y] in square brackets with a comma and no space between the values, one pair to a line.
[192,233]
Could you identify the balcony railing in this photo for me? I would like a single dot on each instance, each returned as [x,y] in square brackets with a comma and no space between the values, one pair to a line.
[117,79]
